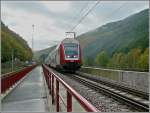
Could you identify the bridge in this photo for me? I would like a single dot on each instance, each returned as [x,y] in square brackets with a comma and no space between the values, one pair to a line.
[30,89]
[41,88]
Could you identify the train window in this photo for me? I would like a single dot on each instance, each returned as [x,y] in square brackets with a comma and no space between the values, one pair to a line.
[71,49]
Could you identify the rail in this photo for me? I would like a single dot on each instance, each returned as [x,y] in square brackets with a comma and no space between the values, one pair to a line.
[115,85]
[50,76]
[9,79]
[132,79]
[130,101]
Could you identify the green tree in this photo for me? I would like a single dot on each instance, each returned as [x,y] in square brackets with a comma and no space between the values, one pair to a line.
[119,59]
[88,61]
[133,57]
[102,59]
[5,49]
[144,60]
[10,41]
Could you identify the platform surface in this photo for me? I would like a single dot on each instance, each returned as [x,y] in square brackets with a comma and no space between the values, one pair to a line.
[29,95]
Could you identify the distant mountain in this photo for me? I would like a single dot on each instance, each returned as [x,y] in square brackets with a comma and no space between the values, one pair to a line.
[10,41]
[120,36]
[42,54]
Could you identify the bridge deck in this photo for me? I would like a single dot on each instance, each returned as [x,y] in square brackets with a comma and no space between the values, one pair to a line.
[29,95]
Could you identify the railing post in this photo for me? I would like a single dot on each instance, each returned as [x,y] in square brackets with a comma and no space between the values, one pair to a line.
[69,102]
[49,83]
[53,89]
[57,95]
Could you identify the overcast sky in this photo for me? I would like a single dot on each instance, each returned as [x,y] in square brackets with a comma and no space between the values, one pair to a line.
[53,19]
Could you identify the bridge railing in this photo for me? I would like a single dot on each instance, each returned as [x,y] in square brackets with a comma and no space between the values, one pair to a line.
[9,79]
[53,81]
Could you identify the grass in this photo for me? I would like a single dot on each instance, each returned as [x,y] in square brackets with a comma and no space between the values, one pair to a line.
[113,75]
[6,67]
[8,70]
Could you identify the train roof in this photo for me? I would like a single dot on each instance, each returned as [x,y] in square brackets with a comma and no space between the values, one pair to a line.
[69,40]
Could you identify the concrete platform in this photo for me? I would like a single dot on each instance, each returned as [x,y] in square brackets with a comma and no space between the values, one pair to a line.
[29,95]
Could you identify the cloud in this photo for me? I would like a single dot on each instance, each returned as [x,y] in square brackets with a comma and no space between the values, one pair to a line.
[53,18]
[28,6]
[57,6]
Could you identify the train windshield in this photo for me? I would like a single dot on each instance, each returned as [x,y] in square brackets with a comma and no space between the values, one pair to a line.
[71,49]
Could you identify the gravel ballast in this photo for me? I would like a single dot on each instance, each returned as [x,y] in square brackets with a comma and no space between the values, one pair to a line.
[100,101]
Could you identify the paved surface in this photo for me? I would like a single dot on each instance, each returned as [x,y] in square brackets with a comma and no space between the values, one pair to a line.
[29,95]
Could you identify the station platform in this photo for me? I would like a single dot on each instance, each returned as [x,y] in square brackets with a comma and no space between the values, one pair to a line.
[41,90]
[29,95]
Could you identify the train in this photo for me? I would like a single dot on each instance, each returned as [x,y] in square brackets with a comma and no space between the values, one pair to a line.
[66,56]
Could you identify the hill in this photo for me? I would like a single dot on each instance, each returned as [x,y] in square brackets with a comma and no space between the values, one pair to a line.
[42,54]
[117,36]
[10,41]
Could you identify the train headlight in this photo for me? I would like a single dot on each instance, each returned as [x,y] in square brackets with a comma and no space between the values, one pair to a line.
[68,56]
[75,56]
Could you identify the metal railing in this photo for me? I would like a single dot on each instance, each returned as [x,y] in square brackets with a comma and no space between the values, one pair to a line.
[54,90]
[9,79]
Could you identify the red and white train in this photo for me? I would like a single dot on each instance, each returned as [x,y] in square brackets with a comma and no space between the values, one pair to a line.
[66,56]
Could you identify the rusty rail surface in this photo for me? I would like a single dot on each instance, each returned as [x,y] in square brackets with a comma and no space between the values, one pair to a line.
[9,79]
[56,97]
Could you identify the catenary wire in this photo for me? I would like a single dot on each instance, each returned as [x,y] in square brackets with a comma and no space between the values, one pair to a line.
[82,18]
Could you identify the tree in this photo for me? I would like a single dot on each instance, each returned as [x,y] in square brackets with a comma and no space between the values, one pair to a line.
[118,61]
[144,60]
[6,54]
[133,57]
[88,61]
[102,59]
[10,41]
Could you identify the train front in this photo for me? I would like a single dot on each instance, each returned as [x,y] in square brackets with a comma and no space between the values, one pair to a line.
[72,55]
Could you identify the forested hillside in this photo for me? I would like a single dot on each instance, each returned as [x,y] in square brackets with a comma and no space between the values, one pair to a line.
[42,54]
[123,44]
[13,43]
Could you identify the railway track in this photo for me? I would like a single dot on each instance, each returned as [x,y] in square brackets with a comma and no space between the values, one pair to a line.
[130,100]
[120,87]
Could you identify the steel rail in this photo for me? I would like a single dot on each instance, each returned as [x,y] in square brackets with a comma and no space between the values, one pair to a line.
[132,91]
[10,79]
[11,73]
[71,92]
[126,100]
